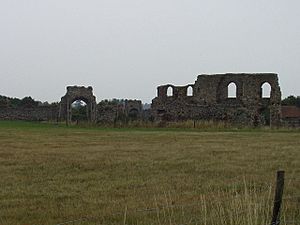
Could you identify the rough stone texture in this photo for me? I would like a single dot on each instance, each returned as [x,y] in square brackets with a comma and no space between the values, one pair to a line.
[133,109]
[210,100]
[104,112]
[39,113]
[78,93]
[107,113]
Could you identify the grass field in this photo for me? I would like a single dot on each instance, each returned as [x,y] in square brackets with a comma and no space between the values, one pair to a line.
[51,174]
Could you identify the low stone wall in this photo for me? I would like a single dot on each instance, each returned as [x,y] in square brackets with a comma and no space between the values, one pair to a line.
[232,113]
[107,113]
[40,113]
[291,122]
[133,109]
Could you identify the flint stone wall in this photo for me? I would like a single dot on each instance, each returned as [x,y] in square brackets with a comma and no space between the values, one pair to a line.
[78,93]
[133,109]
[209,100]
[107,113]
[40,113]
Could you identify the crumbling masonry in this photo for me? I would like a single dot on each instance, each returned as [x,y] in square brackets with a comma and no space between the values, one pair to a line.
[75,93]
[210,101]
[207,99]
[103,113]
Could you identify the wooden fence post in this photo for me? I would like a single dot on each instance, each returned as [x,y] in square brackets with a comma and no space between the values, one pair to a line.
[278,198]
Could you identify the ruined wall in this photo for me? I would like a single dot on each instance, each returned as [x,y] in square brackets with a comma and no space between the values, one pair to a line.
[107,112]
[210,101]
[104,112]
[133,109]
[206,99]
[78,93]
[39,113]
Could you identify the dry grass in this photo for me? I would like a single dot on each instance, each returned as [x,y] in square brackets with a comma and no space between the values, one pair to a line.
[51,174]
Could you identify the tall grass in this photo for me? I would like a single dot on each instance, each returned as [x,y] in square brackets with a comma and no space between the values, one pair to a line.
[187,124]
[204,125]
[53,173]
[249,206]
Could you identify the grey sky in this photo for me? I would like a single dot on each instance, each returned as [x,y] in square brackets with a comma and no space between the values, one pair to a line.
[124,49]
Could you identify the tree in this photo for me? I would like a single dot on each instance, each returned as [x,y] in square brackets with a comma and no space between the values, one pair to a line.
[291,101]
[3,102]
[14,102]
[28,102]
[79,113]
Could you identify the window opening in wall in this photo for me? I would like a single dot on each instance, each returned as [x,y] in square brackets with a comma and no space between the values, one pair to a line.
[170,91]
[232,90]
[266,90]
[79,111]
[190,91]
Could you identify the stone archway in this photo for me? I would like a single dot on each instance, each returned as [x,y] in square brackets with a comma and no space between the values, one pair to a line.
[78,93]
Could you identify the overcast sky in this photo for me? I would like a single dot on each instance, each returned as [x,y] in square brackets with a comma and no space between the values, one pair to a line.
[126,48]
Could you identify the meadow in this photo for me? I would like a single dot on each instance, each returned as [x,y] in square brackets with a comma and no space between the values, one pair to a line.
[52,174]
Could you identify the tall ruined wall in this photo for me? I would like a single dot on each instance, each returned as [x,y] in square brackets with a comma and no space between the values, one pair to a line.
[107,112]
[78,93]
[210,101]
[133,109]
[206,99]
[39,113]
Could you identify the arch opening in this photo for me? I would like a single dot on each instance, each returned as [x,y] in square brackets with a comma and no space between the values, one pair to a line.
[79,111]
[190,91]
[232,90]
[170,91]
[78,97]
[133,114]
[266,90]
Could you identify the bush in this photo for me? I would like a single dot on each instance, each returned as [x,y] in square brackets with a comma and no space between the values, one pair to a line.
[291,101]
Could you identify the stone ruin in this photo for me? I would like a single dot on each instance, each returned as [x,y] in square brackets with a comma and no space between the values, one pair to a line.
[75,93]
[107,112]
[207,99]
[134,109]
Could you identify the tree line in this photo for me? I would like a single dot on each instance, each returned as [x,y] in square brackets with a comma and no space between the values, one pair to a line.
[29,102]
[26,102]
[291,101]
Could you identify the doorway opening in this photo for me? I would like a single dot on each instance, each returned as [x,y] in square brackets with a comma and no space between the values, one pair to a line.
[79,112]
